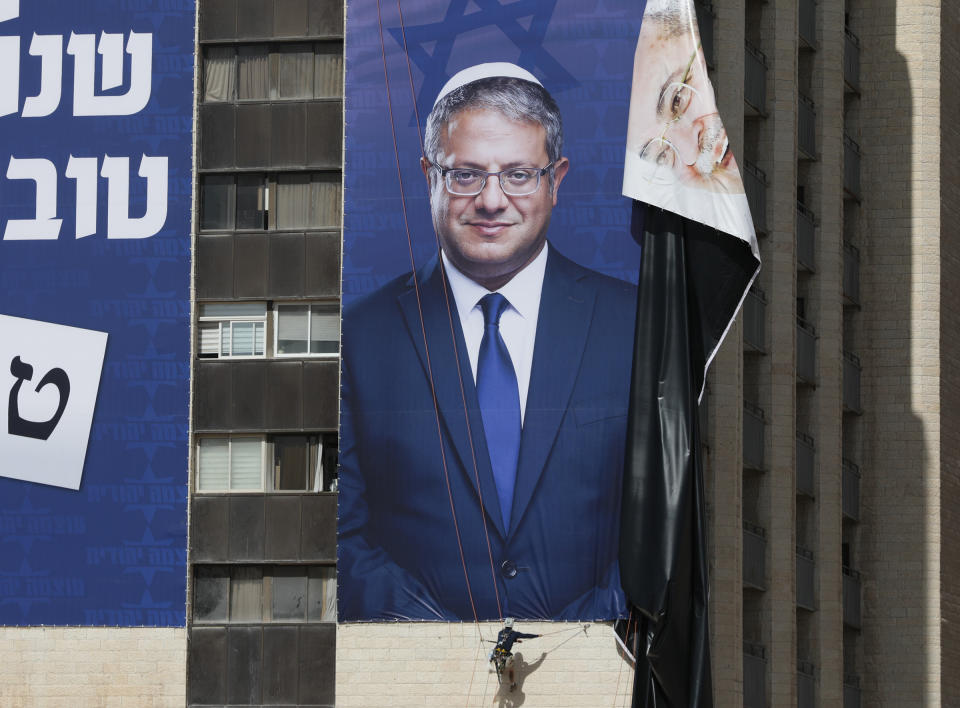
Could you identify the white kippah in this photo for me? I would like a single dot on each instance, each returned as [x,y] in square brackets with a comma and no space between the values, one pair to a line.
[485,71]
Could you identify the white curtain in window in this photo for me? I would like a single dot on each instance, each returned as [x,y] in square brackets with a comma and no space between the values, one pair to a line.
[293,201]
[295,71]
[253,69]
[246,464]
[328,72]
[326,198]
[219,74]
[246,590]
[329,595]
[225,310]
[212,465]
[324,329]
[209,339]
[292,329]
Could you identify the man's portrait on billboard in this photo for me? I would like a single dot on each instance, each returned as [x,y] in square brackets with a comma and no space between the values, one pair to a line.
[484,396]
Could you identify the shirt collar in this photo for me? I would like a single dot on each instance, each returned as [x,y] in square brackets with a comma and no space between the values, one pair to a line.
[522,291]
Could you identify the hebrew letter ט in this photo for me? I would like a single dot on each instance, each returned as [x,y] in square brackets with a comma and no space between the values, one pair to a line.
[117,172]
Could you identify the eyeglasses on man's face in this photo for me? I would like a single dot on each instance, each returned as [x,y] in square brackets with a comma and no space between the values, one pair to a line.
[660,152]
[514,181]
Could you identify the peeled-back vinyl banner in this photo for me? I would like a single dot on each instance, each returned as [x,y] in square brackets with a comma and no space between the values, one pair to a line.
[96,104]
[489,291]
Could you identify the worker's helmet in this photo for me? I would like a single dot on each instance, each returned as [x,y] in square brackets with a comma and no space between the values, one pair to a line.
[508,623]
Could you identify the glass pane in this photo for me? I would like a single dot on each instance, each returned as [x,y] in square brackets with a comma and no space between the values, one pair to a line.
[292,329]
[212,465]
[328,71]
[227,310]
[242,334]
[219,74]
[246,462]
[296,71]
[314,453]
[253,72]
[329,462]
[211,592]
[326,200]
[290,462]
[293,201]
[324,330]
[323,594]
[251,209]
[259,337]
[209,340]
[246,588]
[288,594]
[217,205]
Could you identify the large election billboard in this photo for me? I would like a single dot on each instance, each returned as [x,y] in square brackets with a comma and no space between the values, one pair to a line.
[96,106]
[482,440]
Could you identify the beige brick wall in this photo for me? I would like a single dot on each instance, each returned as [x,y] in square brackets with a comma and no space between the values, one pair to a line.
[432,664]
[92,667]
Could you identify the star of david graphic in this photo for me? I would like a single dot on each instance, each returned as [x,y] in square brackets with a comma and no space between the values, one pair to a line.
[486,13]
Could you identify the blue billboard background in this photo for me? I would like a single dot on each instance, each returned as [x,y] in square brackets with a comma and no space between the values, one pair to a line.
[114,552]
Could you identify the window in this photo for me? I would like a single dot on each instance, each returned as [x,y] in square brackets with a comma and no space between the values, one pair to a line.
[307,329]
[255,594]
[232,464]
[305,462]
[232,329]
[298,458]
[262,72]
[286,201]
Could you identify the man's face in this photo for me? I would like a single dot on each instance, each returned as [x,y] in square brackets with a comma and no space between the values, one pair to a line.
[674,123]
[490,237]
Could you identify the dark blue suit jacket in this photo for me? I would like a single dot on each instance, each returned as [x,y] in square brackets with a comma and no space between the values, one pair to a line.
[412,475]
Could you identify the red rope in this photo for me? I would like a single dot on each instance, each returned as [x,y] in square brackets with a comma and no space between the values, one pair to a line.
[453,337]
[416,286]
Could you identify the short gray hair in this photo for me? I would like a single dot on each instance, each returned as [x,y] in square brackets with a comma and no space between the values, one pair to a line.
[517,99]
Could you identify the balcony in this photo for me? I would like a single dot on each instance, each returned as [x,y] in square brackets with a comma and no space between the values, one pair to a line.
[806,235]
[754,675]
[806,465]
[806,684]
[851,383]
[851,61]
[754,556]
[851,490]
[851,168]
[755,81]
[851,274]
[808,23]
[705,21]
[755,185]
[806,580]
[753,425]
[851,691]
[754,314]
[851,598]
[807,128]
[806,353]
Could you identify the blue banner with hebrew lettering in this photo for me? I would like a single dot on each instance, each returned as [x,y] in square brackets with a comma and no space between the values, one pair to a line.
[96,106]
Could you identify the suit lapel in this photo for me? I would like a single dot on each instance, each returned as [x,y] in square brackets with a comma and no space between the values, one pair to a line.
[566,310]
[451,398]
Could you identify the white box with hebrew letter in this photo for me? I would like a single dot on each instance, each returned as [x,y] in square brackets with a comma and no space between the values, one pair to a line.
[49,378]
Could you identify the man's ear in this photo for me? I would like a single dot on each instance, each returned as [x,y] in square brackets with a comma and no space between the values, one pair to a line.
[559,172]
[426,167]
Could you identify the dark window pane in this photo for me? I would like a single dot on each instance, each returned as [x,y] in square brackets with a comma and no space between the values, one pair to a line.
[217,202]
[292,323]
[290,454]
[330,455]
[324,329]
[289,594]
[295,75]
[328,71]
[253,70]
[211,590]
[251,202]
[323,594]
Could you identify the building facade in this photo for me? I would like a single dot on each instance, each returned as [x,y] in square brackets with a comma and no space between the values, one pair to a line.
[831,444]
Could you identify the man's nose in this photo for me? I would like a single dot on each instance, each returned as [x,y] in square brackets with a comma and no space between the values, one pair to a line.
[685,136]
[491,197]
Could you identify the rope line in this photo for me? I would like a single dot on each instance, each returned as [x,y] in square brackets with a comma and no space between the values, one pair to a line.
[453,336]
[426,347]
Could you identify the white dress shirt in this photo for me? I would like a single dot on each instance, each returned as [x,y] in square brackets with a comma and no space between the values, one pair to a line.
[518,323]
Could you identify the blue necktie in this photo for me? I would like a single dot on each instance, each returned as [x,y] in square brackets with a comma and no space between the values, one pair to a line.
[499,402]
